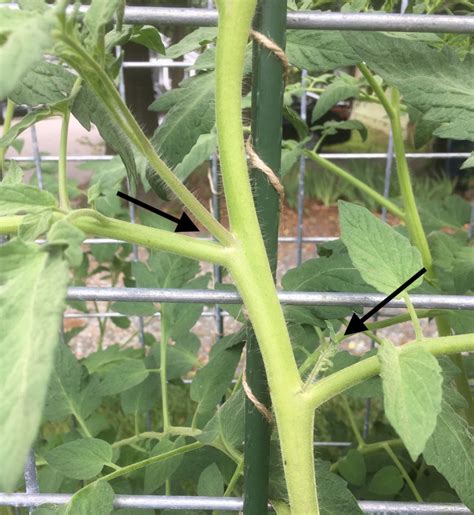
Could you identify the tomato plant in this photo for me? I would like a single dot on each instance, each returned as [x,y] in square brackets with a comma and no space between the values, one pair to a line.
[60,64]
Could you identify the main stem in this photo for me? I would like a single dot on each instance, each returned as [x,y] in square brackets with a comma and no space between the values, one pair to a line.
[250,267]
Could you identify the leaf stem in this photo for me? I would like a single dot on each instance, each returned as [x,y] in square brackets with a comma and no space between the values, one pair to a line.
[150,461]
[103,86]
[9,112]
[234,479]
[92,222]
[64,203]
[412,218]
[336,383]
[370,192]
[352,422]
[403,472]
[414,317]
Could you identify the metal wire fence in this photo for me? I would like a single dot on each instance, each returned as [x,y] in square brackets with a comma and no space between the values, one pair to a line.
[208,17]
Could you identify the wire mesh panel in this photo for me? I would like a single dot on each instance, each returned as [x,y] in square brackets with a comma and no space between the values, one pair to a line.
[310,20]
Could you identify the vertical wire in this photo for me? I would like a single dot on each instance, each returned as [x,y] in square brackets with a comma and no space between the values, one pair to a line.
[216,211]
[471,223]
[217,270]
[301,177]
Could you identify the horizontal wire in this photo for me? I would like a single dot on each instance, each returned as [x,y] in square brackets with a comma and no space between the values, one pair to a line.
[161,502]
[368,21]
[332,156]
[295,298]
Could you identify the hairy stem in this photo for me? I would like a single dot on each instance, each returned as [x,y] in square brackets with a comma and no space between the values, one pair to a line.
[370,192]
[103,86]
[338,382]
[92,222]
[403,472]
[62,164]
[10,110]
[413,316]
[250,267]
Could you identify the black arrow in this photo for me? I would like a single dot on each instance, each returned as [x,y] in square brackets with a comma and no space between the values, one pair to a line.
[184,224]
[356,324]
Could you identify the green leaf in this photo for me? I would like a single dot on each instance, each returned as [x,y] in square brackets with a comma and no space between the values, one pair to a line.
[412,387]
[32,290]
[225,430]
[211,482]
[69,237]
[149,37]
[451,451]
[28,37]
[331,127]
[451,211]
[211,381]
[34,225]
[80,459]
[342,88]
[26,122]
[68,394]
[45,83]
[384,258]
[158,473]
[122,375]
[22,198]
[203,149]
[319,51]
[333,495]
[97,360]
[97,16]
[96,498]
[463,270]
[352,468]
[191,114]
[14,174]
[386,481]
[326,275]
[134,308]
[88,108]
[435,82]
[468,163]
[192,41]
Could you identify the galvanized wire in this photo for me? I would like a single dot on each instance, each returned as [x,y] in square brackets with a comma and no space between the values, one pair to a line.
[295,298]
[370,21]
[160,502]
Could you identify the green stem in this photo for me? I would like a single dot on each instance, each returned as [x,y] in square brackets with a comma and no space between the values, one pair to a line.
[336,383]
[370,192]
[163,378]
[92,222]
[352,422]
[103,86]
[150,461]
[9,112]
[412,218]
[250,267]
[403,472]
[420,313]
[62,164]
[153,435]
[234,479]
[413,316]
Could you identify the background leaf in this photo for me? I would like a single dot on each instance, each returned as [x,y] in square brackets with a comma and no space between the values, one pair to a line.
[80,459]
[384,258]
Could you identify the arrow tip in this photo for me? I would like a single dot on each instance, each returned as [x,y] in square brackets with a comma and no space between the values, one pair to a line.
[355,325]
[185,224]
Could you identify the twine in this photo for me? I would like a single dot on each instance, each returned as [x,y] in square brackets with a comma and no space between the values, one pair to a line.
[261,408]
[270,45]
[257,162]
